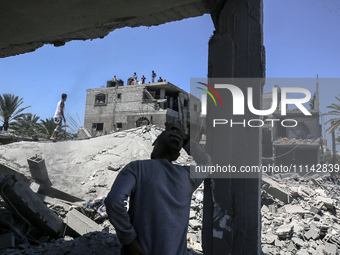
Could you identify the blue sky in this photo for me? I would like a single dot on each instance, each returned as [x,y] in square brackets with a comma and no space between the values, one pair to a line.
[301,39]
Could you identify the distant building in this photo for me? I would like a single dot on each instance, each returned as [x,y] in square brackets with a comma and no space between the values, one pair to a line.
[117,108]
[299,145]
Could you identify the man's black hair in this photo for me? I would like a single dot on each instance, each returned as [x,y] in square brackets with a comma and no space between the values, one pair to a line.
[63,96]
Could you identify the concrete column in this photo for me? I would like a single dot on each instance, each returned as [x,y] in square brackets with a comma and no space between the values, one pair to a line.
[162,96]
[171,102]
[231,219]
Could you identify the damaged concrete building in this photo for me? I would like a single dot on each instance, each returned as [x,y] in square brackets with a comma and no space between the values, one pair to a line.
[297,143]
[235,50]
[124,107]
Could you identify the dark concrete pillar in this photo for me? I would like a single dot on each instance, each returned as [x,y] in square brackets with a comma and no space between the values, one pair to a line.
[231,222]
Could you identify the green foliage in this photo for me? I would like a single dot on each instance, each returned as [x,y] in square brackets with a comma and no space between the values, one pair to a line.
[335,122]
[26,126]
[47,127]
[9,109]
[327,157]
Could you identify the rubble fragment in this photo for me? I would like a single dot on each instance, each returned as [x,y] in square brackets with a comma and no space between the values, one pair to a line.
[80,223]
[274,189]
[26,203]
[309,223]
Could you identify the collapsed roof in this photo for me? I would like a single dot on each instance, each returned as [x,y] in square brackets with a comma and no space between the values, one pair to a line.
[28,25]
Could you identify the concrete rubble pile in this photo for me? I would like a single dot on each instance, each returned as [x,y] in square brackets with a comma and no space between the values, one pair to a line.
[300,214]
[42,195]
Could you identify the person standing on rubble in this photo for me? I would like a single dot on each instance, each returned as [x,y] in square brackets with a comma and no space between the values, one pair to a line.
[135,78]
[160,195]
[143,79]
[153,76]
[59,116]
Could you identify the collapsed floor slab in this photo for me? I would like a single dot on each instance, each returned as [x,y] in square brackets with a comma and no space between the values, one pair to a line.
[26,203]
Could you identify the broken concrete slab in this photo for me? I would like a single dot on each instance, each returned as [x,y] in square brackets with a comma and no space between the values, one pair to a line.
[298,242]
[194,224]
[315,209]
[328,202]
[4,170]
[24,201]
[274,189]
[284,231]
[55,202]
[313,233]
[53,193]
[294,209]
[331,249]
[81,224]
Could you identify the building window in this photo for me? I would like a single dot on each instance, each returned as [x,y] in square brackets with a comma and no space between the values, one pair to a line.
[119,125]
[195,107]
[186,103]
[142,122]
[97,126]
[100,99]
[119,96]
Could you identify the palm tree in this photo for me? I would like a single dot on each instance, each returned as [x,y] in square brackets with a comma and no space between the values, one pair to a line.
[26,126]
[47,127]
[9,111]
[312,102]
[335,124]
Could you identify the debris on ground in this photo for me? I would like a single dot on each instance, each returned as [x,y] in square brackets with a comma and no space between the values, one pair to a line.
[70,180]
[308,223]
[300,214]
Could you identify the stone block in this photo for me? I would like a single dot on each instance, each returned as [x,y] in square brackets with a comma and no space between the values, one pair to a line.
[80,223]
[38,170]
